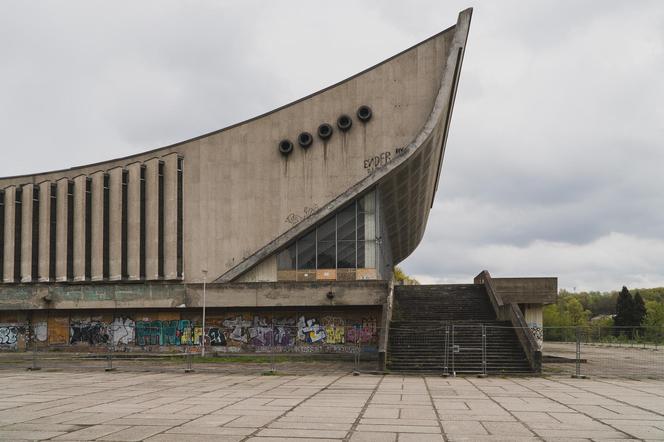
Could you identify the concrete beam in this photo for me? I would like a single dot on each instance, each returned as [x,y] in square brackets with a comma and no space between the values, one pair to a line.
[26,233]
[115,224]
[61,231]
[527,290]
[134,221]
[175,294]
[97,225]
[10,219]
[79,227]
[44,231]
[170,216]
[152,219]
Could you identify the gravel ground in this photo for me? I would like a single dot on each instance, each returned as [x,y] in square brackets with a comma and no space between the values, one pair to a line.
[607,360]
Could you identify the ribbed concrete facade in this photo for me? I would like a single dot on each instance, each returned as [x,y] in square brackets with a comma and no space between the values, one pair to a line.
[92,214]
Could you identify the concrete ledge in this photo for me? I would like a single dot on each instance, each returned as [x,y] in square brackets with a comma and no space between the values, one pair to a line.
[527,290]
[69,296]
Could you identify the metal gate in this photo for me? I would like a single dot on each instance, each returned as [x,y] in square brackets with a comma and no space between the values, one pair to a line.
[468,348]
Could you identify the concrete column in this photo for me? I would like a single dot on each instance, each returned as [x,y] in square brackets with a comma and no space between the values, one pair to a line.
[26,234]
[79,227]
[97,226]
[152,218]
[115,224]
[44,230]
[10,196]
[61,231]
[170,215]
[134,221]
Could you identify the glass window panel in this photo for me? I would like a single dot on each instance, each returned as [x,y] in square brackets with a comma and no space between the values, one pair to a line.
[346,224]
[306,251]
[366,254]
[367,203]
[346,255]
[326,231]
[360,226]
[369,227]
[327,255]
[286,258]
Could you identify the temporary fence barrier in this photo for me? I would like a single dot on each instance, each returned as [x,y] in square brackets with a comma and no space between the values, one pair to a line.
[445,348]
[263,349]
[604,351]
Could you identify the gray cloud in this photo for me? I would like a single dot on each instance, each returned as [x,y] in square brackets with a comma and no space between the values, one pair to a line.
[554,158]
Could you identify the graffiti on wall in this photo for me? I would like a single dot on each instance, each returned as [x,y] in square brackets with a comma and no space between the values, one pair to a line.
[122,331]
[9,335]
[216,337]
[287,332]
[362,332]
[294,218]
[334,330]
[40,330]
[309,330]
[88,332]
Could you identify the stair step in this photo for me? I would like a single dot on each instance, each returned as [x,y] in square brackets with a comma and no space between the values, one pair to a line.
[426,318]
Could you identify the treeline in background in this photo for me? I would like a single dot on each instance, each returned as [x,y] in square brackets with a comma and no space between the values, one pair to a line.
[617,316]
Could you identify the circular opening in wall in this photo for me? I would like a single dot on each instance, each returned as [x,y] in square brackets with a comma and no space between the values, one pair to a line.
[325,131]
[344,123]
[285,147]
[305,139]
[364,113]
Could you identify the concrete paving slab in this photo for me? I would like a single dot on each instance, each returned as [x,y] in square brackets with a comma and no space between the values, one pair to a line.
[151,406]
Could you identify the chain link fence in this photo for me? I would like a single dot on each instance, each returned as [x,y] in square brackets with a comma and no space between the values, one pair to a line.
[452,349]
[492,348]
[443,348]
[604,351]
[266,349]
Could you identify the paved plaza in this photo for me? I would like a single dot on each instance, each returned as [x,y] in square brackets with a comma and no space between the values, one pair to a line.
[130,406]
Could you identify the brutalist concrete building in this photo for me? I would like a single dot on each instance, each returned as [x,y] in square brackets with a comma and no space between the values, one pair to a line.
[294,219]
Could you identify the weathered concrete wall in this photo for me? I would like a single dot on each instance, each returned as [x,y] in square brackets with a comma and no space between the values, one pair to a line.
[527,290]
[227,330]
[171,295]
[240,193]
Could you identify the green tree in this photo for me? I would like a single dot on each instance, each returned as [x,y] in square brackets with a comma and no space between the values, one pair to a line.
[401,278]
[654,321]
[624,308]
[577,314]
[638,310]
[655,314]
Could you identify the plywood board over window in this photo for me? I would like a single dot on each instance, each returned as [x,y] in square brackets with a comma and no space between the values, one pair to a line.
[326,274]
[58,330]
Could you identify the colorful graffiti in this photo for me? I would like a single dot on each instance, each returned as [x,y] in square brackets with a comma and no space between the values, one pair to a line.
[363,332]
[309,330]
[232,332]
[173,332]
[334,330]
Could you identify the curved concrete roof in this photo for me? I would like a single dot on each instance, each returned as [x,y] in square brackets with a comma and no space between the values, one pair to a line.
[408,183]
[241,195]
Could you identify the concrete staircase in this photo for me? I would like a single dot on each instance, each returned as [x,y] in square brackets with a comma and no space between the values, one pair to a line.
[429,318]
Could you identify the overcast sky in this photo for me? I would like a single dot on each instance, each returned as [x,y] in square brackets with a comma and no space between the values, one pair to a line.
[555,160]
